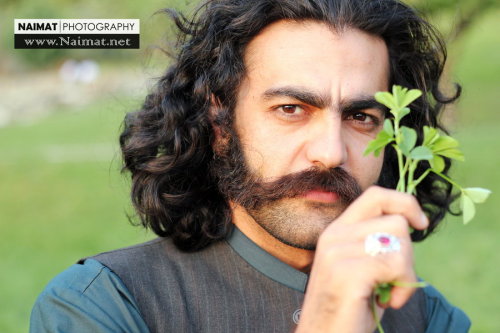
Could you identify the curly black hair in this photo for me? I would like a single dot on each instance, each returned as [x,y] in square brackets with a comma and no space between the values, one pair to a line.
[167,144]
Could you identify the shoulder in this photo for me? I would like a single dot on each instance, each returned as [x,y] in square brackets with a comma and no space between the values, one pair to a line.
[87,297]
[136,254]
[442,316]
[138,262]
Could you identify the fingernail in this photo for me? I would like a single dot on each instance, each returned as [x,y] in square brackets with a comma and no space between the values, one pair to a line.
[425,220]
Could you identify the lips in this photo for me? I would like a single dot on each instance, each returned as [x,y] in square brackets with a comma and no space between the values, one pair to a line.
[321,196]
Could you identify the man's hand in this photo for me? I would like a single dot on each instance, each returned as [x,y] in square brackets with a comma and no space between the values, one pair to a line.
[343,276]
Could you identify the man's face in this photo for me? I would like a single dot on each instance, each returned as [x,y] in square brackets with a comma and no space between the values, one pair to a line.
[307,102]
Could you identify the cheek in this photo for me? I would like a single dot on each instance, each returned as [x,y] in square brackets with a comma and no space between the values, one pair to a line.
[269,150]
[366,169]
[371,168]
[257,145]
[269,156]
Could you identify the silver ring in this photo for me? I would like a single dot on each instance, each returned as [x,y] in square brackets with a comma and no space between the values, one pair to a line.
[381,242]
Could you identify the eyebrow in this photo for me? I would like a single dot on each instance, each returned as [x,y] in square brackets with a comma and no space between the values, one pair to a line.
[299,93]
[322,100]
[362,103]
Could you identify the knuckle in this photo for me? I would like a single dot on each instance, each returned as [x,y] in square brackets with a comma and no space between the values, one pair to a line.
[325,245]
[410,201]
[386,263]
[393,264]
[400,223]
[331,254]
[333,233]
[396,224]
[400,261]
[335,258]
[375,190]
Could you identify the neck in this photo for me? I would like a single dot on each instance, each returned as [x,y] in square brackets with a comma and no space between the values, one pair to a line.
[299,259]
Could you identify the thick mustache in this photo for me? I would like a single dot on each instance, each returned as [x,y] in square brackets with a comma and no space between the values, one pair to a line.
[297,184]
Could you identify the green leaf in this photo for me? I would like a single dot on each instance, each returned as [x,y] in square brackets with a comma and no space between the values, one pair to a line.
[430,136]
[383,291]
[403,112]
[376,145]
[468,208]
[400,112]
[385,98]
[447,146]
[444,142]
[399,94]
[443,145]
[410,96]
[388,128]
[437,163]
[421,153]
[453,153]
[409,139]
[477,194]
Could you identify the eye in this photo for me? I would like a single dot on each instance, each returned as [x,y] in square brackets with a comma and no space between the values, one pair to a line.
[291,109]
[290,112]
[364,120]
[363,117]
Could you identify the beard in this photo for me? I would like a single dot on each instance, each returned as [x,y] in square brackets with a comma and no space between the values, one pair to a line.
[278,206]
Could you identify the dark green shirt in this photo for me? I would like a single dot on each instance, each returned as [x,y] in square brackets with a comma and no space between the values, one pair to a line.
[232,286]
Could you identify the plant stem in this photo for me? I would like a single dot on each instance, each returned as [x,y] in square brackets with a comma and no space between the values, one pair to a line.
[448,180]
[396,130]
[411,184]
[419,284]
[401,183]
[416,182]
[375,317]
[401,186]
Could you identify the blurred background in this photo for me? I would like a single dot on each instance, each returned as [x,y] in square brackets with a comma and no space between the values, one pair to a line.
[62,196]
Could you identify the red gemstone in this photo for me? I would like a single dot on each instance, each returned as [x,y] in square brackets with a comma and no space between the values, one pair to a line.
[384,240]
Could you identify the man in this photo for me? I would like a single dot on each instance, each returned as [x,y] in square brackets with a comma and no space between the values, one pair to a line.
[248,161]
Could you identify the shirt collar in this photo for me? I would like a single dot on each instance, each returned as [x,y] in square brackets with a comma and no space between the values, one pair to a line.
[265,263]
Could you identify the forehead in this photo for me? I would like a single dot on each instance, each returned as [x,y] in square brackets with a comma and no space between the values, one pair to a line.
[314,55]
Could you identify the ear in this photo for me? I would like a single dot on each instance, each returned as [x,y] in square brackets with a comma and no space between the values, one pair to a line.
[213,112]
[221,138]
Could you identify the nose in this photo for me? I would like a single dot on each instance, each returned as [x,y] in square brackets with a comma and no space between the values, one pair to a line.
[326,147]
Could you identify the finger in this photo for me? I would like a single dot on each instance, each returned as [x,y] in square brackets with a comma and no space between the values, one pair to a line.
[356,250]
[347,242]
[377,201]
[367,273]
[394,224]
[397,268]
[365,270]
[389,269]
[401,294]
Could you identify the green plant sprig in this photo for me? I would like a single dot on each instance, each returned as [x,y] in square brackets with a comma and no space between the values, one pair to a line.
[434,148]
[382,295]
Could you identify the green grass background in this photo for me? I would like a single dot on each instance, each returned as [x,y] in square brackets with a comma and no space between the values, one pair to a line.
[62,196]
